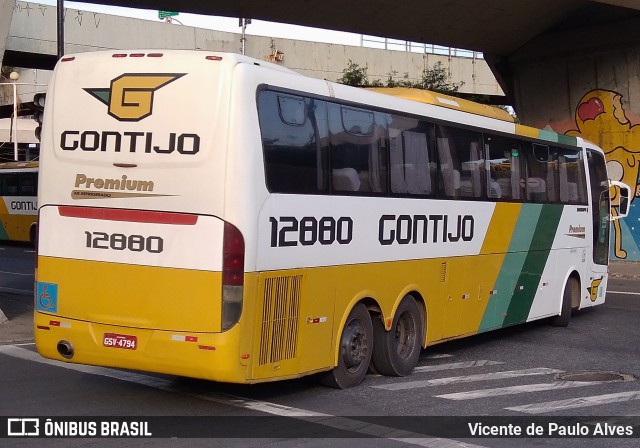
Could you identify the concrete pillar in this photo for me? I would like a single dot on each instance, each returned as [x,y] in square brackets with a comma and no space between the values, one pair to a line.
[586,82]
[6,13]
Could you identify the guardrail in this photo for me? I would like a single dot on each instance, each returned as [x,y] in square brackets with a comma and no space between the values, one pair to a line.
[416,47]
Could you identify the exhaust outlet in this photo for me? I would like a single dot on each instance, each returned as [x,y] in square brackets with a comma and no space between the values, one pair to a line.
[65,349]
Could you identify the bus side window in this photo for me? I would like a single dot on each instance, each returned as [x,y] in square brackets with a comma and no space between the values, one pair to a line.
[462,170]
[499,157]
[294,141]
[10,184]
[540,174]
[28,184]
[572,183]
[358,150]
[412,159]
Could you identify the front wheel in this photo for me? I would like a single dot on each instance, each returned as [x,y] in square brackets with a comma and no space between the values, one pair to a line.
[396,352]
[356,346]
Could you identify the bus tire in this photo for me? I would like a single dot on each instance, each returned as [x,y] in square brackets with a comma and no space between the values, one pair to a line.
[396,352]
[356,346]
[33,234]
[570,288]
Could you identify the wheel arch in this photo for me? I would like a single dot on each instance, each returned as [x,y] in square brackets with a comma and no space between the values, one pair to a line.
[574,273]
[387,319]
[372,305]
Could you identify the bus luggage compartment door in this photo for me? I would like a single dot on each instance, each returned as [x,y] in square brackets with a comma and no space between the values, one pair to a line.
[133,268]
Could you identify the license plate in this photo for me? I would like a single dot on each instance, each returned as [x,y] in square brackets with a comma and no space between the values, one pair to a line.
[120,341]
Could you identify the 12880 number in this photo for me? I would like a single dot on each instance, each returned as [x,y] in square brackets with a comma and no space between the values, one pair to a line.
[307,231]
[118,241]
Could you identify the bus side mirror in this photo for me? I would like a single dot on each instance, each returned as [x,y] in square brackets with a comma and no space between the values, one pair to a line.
[621,199]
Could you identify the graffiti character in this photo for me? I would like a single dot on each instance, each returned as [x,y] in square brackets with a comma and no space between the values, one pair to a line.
[601,119]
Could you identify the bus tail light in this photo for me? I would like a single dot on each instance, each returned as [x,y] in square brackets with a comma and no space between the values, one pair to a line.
[232,276]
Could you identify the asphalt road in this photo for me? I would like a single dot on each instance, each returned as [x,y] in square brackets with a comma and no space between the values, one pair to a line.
[516,373]
[16,268]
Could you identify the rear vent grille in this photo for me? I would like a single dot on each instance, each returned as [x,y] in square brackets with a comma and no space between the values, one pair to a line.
[443,273]
[280,317]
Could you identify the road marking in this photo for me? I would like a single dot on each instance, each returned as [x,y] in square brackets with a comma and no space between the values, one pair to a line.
[17,273]
[332,421]
[560,405]
[624,292]
[467,379]
[438,356]
[456,365]
[522,389]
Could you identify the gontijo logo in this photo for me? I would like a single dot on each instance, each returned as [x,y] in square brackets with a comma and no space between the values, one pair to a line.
[130,97]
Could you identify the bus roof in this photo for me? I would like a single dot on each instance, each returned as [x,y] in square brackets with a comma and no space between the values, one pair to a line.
[440,99]
[460,104]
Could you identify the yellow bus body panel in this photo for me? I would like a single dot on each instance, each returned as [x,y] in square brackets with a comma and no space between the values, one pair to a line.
[135,296]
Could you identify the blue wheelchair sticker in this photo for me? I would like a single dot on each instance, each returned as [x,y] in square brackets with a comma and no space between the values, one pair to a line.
[47,297]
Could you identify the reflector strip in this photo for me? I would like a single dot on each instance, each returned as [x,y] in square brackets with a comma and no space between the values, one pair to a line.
[180,338]
[112,214]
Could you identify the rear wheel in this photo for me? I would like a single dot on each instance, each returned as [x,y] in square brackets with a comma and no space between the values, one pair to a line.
[356,346]
[570,295]
[396,352]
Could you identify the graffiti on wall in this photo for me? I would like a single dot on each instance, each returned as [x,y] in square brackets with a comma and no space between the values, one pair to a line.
[601,119]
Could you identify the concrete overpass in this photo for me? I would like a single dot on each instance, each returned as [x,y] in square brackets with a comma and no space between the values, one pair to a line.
[31,42]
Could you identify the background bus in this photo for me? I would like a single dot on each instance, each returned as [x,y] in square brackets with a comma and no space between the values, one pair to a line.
[215,216]
[19,207]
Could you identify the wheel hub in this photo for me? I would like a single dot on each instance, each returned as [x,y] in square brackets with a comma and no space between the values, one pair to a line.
[354,345]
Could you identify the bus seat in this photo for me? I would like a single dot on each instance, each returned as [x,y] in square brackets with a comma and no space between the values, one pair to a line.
[536,185]
[494,189]
[345,179]
[452,182]
[572,190]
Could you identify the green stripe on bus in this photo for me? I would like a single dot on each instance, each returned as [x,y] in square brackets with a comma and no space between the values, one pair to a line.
[548,135]
[567,140]
[511,266]
[536,260]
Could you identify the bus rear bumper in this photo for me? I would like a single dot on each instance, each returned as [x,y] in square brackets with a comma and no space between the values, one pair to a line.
[210,356]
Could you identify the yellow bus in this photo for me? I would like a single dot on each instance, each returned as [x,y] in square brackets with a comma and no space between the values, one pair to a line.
[214,216]
[19,207]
